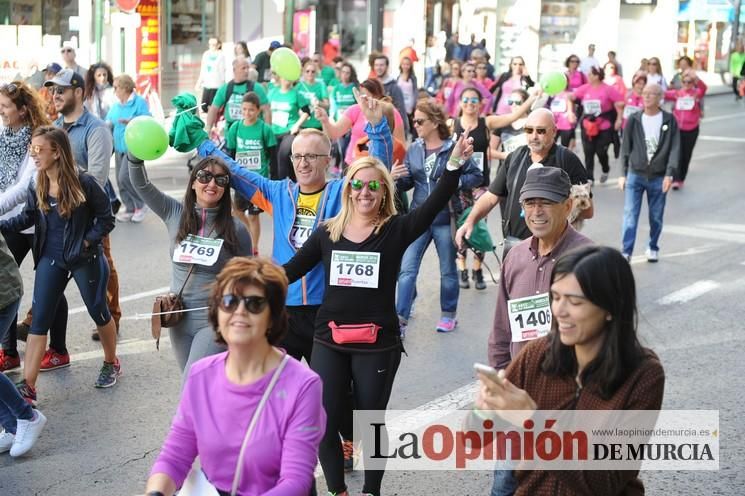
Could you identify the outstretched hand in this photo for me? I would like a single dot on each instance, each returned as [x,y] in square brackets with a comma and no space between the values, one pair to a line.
[371,108]
[463,148]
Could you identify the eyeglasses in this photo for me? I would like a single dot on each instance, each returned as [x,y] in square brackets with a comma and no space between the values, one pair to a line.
[358,184]
[510,101]
[535,203]
[66,50]
[205,176]
[419,122]
[254,304]
[311,158]
[540,130]
[310,71]
[472,99]
[58,90]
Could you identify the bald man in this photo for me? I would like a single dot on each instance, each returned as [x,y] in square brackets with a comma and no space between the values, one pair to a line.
[540,132]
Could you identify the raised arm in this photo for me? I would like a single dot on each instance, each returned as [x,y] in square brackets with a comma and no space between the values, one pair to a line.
[163,205]
[497,121]
[334,130]
[306,257]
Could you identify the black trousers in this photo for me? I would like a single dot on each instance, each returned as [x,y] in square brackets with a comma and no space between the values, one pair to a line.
[281,166]
[598,145]
[371,375]
[687,143]
[19,245]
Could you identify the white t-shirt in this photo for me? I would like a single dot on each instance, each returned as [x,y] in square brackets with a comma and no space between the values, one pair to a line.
[588,63]
[652,125]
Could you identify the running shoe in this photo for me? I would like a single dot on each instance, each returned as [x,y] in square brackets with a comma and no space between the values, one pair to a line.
[27,392]
[8,362]
[6,441]
[603,177]
[27,433]
[108,375]
[53,360]
[677,185]
[478,277]
[653,256]
[138,215]
[124,216]
[446,324]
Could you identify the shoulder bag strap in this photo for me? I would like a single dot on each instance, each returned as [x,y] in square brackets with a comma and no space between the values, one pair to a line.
[252,424]
[519,161]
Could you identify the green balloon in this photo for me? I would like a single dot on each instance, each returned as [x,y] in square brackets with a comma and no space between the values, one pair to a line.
[145,138]
[553,83]
[286,64]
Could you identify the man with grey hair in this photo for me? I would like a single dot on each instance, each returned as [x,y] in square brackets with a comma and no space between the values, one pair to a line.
[649,154]
[540,131]
[229,97]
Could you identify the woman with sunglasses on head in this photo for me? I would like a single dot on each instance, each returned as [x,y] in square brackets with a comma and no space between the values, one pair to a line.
[22,112]
[70,214]
[602,114]
[426,161]
[252,415]
[654,73]
[361,249]
[515,78]
[590,360]
[98,95]
[687,111]
[202,219]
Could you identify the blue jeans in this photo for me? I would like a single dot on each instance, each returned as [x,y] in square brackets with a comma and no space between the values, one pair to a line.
[449,288]
[504,483]
[635,187]
[12,405]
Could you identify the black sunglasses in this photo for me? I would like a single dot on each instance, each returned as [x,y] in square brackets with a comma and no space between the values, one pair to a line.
[59,90]
[205,176]
[539,130]
[254,304]
[9,88]
[419,122]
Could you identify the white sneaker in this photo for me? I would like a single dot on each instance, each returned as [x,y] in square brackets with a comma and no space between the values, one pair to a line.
[138,215]
[653,256]
[27,433]
[124,216]
[6,441]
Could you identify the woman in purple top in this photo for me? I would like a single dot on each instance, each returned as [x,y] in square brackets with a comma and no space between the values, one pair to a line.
[222,392]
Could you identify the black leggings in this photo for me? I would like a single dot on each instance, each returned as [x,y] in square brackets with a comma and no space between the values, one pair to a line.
[19,245]
[687,143]
[371,376]
[597,146]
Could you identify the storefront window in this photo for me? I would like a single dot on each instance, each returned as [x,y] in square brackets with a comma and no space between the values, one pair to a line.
[560,22]
[354,22]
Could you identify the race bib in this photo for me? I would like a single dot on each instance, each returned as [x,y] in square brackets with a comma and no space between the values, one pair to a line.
[629,110]
[280,117]
[559,106]
[530,317]
[355,269]
[301,230]
[250,160]
[478,159]
[592,107]
[198,250]
[514,143]
[234,107]
[685,103]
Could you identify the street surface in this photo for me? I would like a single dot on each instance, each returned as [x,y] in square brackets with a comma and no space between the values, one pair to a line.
[103,442]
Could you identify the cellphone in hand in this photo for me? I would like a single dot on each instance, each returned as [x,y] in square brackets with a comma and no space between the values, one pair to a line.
[490,372]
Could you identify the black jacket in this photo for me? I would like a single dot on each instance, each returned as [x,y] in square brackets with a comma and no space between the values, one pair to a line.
[634,148]
[496,89]
[90,221]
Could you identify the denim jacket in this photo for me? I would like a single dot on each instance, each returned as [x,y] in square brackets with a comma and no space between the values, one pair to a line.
[423,184]
[92,145]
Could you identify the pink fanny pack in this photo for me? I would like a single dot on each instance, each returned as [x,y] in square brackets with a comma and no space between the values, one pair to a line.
[354,333]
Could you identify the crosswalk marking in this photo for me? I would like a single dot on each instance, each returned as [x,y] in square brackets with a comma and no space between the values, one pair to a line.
[689,293]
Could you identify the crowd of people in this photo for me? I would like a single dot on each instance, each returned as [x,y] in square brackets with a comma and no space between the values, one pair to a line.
[331,159]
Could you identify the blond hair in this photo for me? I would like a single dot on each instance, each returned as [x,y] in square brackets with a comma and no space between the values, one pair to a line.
[337,224]
[125,82]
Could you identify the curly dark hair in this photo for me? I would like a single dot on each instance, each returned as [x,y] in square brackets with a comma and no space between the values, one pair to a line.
[90,79]
[241,272]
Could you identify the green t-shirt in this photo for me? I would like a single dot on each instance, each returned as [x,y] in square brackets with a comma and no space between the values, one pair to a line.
[285,107]
[342,97]
[736,63]
[317,89]
[233,107]
[328,74]
[251,145]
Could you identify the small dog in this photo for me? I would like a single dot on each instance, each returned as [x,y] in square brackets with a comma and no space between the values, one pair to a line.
[580,195]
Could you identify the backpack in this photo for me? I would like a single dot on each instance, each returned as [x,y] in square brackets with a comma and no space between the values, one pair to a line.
[228,94]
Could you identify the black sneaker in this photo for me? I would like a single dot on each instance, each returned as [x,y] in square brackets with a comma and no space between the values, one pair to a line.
[27,392]
[22,331]
[464,279]
[478,277]
[109,374]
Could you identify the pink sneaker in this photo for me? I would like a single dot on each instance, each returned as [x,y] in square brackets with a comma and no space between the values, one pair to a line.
[446,324]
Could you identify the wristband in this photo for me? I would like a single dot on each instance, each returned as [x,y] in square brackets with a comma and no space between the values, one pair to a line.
[458,162]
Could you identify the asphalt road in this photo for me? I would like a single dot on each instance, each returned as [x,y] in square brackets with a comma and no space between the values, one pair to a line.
[691,313]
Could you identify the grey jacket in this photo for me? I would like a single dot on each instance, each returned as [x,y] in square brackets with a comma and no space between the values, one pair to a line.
[11,288]
[634,148]
[169,209]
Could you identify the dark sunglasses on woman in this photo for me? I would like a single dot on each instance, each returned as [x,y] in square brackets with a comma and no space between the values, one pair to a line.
[205,176]
[253,304]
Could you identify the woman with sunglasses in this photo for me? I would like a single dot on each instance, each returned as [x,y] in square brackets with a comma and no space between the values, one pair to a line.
[359,344]
[22,112]
[590,360]
[654,73]
[602,114]
[687,111]
[426,161]
[202,219]
[516,77]
[254,381]
[70,214]
[452,104]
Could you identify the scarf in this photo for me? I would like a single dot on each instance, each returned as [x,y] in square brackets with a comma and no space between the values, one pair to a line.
[13,149]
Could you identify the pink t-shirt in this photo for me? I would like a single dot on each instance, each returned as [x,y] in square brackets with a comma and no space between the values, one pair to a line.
[357,118]
[634,103]
[503,107]
[575,79]
[559,106]
[452,105]
[687,109]
[596,100]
